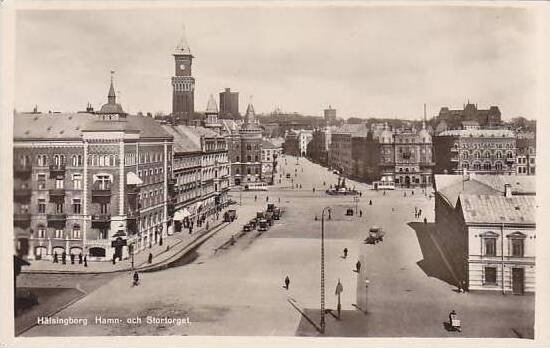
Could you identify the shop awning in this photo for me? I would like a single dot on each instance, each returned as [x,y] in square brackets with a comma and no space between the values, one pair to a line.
[181,214]
[133,179]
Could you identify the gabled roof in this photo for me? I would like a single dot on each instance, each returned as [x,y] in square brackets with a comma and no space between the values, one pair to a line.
[182,142]
[497,209]
[478,133]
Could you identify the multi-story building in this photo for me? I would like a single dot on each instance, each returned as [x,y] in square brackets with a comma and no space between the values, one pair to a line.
[486,228]
[270,154]
[90,183]
[526,144]
[229,104]
[340,154]
[483,151]
[413,157]
[245,153]
[291,145]
[304,138]
[183,85]
[330,115]
[319,146]
[452,119]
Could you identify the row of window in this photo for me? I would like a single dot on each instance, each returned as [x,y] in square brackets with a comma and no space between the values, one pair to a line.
[93,159]
[486,154]
[485,145]
[248,170]
[248,158]
[523,160]
[486,166]
[490,247]
[75,233]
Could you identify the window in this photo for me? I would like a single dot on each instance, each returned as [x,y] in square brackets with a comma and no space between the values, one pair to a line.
[41,232]
[76,232]
[249,158]
[490,275]
[77,206]
[41,181]
[517,247]
[238,159]
[42,160]
[74,161]
[256,158]
[498,166]
[58,234]
[499,154]
[486,166]
[58,183]
[248,147]
[59,208]
[77,181]
[104,208]
[248,170]
[56,160]
[79,160]
[41,206]
[103,182]
[103,234]
[490,246]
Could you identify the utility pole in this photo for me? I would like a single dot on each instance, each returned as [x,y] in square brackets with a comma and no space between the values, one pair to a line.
[323,268]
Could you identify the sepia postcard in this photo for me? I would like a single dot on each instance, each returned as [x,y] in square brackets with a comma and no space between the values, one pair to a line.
[274,173]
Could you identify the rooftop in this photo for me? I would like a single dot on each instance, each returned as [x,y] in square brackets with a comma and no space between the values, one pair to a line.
[493,209]
[480,133]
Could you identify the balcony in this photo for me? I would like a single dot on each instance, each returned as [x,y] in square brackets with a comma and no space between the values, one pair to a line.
[57,196]
[57,170]
[101,195]
[22,220]
[22,172]
[22,195]
[101,221]
[454,159]
[57,220]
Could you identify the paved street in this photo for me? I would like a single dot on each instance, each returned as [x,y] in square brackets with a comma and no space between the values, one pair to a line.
[239,290]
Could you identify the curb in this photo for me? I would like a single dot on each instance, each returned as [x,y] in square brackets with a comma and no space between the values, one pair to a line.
[143,266]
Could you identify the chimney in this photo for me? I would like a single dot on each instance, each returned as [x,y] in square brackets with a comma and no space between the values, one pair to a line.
[507,190]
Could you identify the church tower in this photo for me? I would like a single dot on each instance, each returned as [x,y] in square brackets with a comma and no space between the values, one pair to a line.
[183,84]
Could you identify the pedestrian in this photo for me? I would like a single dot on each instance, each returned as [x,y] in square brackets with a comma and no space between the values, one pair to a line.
[412,193]
[360,213]
[404,194]
[80,258]
[425,221]
[358,266]
[114,259]
[55,259]
[206,226]
[300,185]
[419,212]
[314,190]
[324,183]
[64,258]
[72,259]
[136,279]
[267,198]
[415,210]
[279,199]
[345,252]
[287,282]
[150,258]
[370,201]
[255,198]
[360,194]
[384,193]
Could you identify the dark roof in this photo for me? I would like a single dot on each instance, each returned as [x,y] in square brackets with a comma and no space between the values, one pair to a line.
[182,142]
[71,125]
[269,145]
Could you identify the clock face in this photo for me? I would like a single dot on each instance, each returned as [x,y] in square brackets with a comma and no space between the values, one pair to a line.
[182,66]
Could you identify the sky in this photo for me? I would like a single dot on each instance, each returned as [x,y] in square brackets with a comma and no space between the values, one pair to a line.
[364,61]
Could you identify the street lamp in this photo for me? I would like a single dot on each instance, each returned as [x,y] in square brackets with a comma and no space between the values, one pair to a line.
[356,200]
[323,268]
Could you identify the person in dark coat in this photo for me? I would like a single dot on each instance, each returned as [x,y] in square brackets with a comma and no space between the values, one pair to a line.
[80,258]
[370,201]
[85,261]
[64,258]
[345,252]
[150,258]
[55,258]
[360,213]
[358,266]
[136,278]
[72,259]
[287,282]
[255,198]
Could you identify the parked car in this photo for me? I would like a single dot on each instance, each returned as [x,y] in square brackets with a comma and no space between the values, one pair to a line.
[376,234]
[247,227]
[263,225]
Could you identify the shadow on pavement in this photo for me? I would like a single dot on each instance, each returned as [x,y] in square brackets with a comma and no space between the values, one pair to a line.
[352,323]
[432,264]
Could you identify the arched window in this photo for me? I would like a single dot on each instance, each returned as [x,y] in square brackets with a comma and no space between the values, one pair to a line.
[477,166]
[112,160]
[62,159]
[465,165]
[56,160]
[498,166]
[499,154]
[487,166]
[101,161]
[76,231]
[477,155]
[74,161]
[487,154]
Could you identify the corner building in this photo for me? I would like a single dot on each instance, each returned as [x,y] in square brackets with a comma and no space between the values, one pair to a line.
[89,183]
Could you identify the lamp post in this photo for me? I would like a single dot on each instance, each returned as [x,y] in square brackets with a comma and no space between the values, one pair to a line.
[323,268]
[356,200]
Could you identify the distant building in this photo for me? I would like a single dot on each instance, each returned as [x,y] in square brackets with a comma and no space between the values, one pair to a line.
[487,231]
[229,104]
[526,144]
[340,154]
[291,146]
[483,151]
[211,116]
[183,85]
[453,118]
[319,146]
[270,154]
[330,115]
[304,138]
[245,149]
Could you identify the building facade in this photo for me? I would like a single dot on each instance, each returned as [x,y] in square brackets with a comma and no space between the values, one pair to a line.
[229,104]
[486,228]
[291,146]
[452,119]
[330,115]
[183,85]
[270,156]
[245,150]
[94,184]
[483,151]
[526,144]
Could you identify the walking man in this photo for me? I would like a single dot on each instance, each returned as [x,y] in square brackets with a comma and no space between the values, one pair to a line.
[136,279]
[360,213]
[358,266]
[150,258]
[345,253]
[287,282]
[255,198]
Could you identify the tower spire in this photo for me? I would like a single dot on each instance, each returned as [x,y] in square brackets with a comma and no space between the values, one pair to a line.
[183,47]
[111,97]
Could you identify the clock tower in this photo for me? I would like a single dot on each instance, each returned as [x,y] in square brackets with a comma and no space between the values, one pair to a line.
[183,85]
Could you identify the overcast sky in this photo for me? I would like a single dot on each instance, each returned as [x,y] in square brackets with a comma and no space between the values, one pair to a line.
[364,61]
